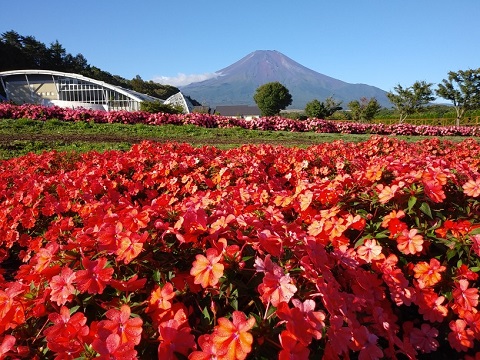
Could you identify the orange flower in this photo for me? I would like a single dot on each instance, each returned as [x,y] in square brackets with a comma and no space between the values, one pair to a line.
[129,246]
[373,173]
[428,274]
[472,188]
[393,215]
[160,298]
[408,242]
[231,338]
[386,192]
[207,270]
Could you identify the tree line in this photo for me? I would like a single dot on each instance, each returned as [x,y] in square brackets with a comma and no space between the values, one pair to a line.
[461,88]
[19,52]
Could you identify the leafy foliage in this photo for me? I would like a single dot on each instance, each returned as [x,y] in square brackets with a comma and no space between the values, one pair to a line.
[322,110]
[411,99]
[463,89]
[271,98]
[365,109]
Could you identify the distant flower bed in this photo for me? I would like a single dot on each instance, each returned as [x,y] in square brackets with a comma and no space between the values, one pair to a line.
[277,123]
[341,250]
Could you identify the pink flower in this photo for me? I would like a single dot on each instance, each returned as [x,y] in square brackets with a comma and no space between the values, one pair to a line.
[369,250]
[472,187]
[62,286]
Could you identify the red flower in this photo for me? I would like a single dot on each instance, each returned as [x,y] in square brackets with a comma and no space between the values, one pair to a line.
[366,342]
[466,298]
[160,298]
[393,215]
[134,220]
[430,305]
[292,348]
[68,332]
[275,289]
[208,351]
[11,309]
[423,339]
[95,277]
[129,330]
[7,344]
[113,348]
[476,244]
[461,338]
[174,338]
[276,286]
[129,285]
[302,321]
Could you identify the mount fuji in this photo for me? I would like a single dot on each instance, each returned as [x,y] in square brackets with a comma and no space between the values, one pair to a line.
[237,83]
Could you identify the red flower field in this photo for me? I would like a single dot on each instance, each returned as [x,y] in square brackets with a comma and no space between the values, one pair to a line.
[344,250]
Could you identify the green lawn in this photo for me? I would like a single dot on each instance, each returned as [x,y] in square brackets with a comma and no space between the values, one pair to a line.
[18,137]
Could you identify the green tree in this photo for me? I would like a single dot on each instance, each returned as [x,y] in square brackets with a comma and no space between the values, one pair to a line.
[412,99]
[322,109]
[365,109]
[271,98]
[57,57]
[462,88]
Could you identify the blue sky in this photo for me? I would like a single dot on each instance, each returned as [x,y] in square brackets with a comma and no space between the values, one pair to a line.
[376,42]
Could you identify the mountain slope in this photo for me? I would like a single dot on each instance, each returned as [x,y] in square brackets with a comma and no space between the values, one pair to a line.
[236,84]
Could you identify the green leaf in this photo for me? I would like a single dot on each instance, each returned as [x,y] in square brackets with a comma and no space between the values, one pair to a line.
[381,235]
[206,314]
[475,231]
[234,303]
[74,309]
[156,276]
[411,202]
[425,208]
[450,254]
[475,269]
[360,241]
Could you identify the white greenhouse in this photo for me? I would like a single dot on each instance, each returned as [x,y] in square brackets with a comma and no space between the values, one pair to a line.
[67,90]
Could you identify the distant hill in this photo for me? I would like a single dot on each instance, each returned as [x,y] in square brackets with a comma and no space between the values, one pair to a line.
[236,84]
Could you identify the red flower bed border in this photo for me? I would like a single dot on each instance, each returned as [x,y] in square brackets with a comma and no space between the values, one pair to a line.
[276,123]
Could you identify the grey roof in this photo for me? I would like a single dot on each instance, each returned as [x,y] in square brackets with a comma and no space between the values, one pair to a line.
[237,110]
